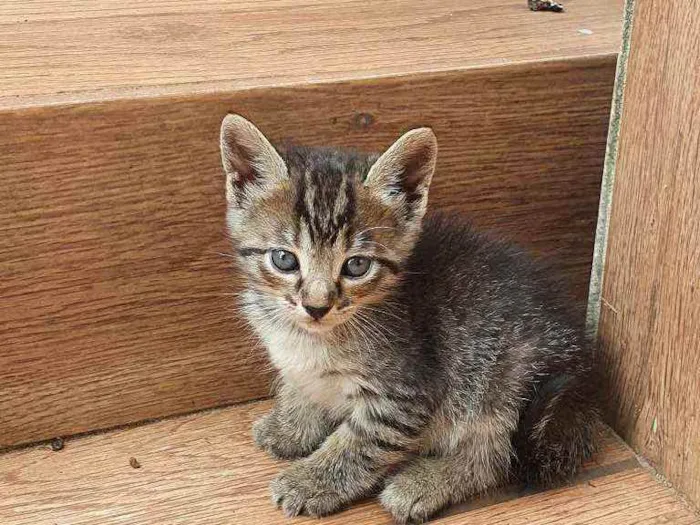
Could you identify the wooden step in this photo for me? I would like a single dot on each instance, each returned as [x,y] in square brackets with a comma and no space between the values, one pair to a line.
[80,50]
[115,303]
[204,469]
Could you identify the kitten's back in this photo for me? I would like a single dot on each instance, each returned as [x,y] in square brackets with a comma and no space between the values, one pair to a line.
[515,336]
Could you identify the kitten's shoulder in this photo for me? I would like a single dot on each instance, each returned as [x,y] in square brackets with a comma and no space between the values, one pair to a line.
[452,254]
[454,263]
[449,240]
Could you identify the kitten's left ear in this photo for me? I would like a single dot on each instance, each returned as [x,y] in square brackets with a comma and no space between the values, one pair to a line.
[249,160]
[403,173]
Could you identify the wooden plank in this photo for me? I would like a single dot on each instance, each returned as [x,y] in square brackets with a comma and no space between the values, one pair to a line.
[650,321]
[84,50]
[116,306]
[204,469]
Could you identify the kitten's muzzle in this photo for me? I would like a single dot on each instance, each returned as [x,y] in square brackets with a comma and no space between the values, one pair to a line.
[317,313]
[317,297]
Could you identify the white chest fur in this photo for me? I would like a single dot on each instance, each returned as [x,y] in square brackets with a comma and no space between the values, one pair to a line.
[314,367]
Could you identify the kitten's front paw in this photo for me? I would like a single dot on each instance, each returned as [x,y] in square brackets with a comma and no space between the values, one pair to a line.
[302,490]
[268,435]
[411,499]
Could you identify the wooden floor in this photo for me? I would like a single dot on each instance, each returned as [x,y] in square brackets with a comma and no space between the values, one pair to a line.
[203,469]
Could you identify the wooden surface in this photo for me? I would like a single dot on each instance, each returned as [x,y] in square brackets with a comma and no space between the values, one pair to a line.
[116,305]
[650,321]
[203,469]
[87,50]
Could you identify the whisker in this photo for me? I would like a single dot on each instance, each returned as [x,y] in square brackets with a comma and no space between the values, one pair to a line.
[375,228]
[383,311]
[370,327]
[379,244]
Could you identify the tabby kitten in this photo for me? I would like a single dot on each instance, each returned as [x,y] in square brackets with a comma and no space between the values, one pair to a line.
[416,357]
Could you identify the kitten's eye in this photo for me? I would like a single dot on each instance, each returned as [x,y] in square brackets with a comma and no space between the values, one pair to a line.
[284,261]
[356,266]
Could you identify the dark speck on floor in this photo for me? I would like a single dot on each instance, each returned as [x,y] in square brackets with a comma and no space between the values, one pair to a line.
[134,463]
[545,5]
[57,444]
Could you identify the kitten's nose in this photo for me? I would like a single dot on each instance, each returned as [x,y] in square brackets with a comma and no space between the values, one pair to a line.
[316,312]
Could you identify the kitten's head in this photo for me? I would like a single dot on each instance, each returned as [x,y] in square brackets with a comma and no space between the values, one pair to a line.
[322,233]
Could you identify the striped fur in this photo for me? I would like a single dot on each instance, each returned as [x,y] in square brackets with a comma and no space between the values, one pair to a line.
[455,364]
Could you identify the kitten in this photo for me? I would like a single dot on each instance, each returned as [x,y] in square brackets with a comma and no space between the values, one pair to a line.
[416,357]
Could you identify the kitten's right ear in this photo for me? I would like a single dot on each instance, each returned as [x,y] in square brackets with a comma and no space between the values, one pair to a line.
[249,160]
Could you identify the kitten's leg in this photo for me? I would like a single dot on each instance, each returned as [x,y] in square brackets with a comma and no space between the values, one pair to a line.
[294,428]
[429,483]
[350,463]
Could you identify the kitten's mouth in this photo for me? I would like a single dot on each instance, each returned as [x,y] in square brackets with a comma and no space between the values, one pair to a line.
[316,327]
[321,326]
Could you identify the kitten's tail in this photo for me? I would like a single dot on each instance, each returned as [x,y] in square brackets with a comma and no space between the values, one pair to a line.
[557,431]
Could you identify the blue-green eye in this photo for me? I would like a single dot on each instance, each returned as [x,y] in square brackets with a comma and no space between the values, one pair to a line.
[284,261]
[356,267]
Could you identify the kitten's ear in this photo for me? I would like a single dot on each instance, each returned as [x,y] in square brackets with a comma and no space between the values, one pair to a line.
[403,173]
[248,157]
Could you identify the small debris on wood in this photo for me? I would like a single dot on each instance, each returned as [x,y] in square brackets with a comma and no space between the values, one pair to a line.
[57,444]
[585,31]
[363,120]
[545,5]
[134,463]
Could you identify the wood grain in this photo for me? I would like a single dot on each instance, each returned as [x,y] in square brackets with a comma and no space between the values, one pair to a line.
[204,469]
[116,305]
[86,50]
[650,320]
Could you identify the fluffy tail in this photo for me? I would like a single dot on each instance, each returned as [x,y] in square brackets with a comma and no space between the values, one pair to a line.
[557,431]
